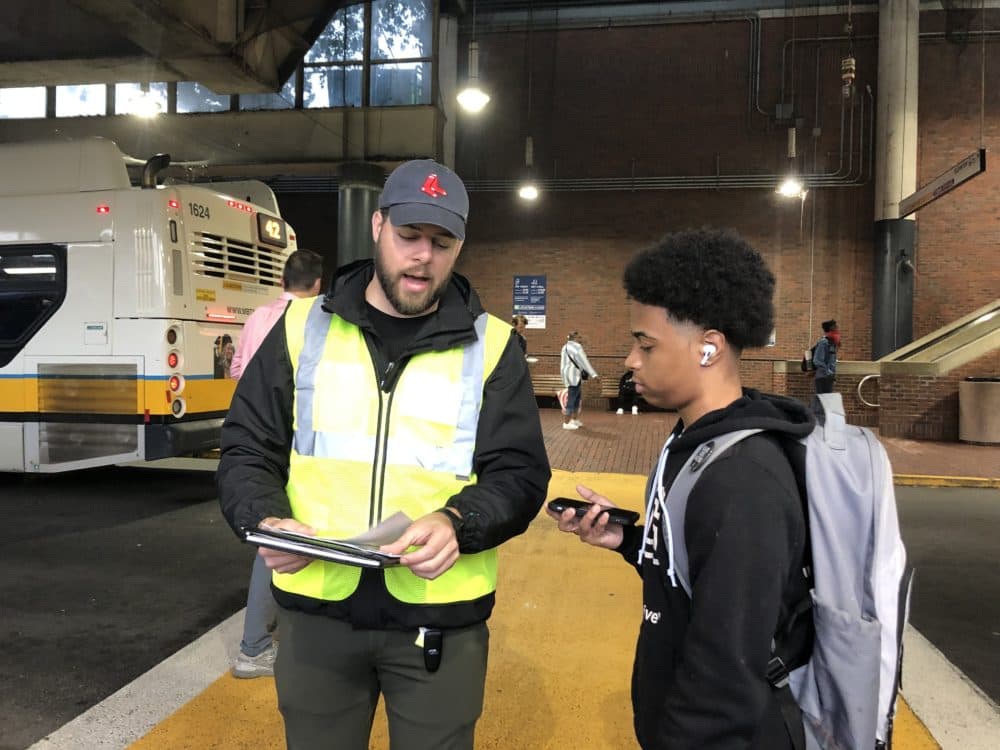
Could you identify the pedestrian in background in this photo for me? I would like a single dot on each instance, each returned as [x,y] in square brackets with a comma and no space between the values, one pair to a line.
[825,357]
[519,323]
[300,278]
[574,368]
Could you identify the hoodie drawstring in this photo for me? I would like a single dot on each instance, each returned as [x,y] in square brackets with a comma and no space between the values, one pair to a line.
[657,499]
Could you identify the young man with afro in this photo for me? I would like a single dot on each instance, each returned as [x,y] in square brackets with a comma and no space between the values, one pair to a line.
[699,682]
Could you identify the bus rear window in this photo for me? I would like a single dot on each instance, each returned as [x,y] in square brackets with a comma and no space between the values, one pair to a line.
[32,287]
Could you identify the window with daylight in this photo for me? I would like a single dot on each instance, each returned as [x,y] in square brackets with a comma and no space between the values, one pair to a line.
[79,101]
[194,97]
[332,66]
[333,70]
[140,99]
[401,45]
[22,103]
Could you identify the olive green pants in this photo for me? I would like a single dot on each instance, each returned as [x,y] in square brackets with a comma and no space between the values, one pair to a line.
[329,678]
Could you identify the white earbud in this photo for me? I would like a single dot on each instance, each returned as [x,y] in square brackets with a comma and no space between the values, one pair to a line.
[706,353]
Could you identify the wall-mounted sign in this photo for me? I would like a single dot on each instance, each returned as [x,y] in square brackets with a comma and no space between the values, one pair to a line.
[529,299]
[969,167]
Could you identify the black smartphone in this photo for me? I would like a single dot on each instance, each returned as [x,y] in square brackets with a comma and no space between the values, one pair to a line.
[615,515]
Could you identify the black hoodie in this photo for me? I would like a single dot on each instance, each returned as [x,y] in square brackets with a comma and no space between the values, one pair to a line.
[698,681]
[510,461]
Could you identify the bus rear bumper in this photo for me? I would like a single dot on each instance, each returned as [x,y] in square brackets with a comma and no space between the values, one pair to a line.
[182,438]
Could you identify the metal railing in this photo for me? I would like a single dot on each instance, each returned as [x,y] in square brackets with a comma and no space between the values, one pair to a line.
[861,382]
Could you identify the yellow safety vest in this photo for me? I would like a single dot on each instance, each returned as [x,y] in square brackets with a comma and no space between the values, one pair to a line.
[359,454]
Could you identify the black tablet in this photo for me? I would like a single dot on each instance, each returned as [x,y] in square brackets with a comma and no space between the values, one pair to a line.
[321,548]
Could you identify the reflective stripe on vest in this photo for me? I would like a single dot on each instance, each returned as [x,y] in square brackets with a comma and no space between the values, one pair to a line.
[360,455]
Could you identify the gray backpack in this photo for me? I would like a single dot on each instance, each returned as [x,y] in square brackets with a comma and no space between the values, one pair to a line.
[860,584]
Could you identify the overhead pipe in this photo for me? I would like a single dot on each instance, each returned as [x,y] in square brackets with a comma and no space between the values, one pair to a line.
[702,182]
[326,183]
[737,181]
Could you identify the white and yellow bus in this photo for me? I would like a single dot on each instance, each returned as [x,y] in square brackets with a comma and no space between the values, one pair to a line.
[120,306]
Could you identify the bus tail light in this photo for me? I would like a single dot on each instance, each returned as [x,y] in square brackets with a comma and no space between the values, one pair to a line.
[174,359]
[176,383]
[178,407]
[173,334]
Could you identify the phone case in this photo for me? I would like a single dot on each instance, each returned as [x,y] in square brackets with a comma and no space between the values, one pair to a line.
[615,515]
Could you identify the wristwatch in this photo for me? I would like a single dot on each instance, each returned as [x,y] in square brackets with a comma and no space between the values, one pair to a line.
[457,520]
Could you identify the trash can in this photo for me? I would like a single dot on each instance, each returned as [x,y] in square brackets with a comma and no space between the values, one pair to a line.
[979,410]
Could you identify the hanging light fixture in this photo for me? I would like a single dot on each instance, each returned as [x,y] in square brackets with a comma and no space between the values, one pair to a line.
[791,186]
[472,98]
[528,189]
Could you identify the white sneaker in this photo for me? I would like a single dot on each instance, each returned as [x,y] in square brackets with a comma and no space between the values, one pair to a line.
[570,426]
[620,411]
[577,422]
[261,665]
[635,409]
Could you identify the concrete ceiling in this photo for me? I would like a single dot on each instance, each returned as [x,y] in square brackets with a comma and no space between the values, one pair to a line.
[231,46]
[241,47]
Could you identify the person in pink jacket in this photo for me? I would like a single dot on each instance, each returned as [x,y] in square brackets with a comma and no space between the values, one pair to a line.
[300,278]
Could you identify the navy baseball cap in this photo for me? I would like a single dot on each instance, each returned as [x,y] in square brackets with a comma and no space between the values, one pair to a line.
[425,192]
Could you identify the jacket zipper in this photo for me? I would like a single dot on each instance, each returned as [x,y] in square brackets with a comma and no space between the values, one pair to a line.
[380,463]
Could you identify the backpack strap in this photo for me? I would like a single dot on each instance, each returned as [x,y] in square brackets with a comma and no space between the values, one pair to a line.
[792,715]
[831,415]
[677,498]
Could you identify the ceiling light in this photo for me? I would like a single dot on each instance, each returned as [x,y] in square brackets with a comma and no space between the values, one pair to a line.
[472,98]
[528,189]
[791,187]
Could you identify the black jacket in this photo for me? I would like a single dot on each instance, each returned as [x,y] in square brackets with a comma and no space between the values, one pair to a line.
[510,460]
[698,681]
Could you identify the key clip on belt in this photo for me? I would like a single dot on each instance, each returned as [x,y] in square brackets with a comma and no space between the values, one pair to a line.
[433,644]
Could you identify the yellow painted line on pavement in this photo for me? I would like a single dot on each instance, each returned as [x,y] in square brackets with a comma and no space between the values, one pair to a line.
[928,480]
[909,733]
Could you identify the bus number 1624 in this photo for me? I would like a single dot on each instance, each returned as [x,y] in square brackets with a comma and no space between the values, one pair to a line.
[196,209]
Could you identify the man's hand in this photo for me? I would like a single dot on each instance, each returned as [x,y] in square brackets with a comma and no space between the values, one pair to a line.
[285,562]
[435,536]
[593,527]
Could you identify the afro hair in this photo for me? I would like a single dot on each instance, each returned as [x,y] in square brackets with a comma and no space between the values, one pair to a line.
[709,277]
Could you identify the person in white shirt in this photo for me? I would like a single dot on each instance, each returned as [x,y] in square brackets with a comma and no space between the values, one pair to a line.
[301,277]
[574,367]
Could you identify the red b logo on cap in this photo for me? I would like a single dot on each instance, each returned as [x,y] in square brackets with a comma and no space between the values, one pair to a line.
[432,187]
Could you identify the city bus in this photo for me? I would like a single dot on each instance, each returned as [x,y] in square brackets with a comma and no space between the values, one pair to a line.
[121,305]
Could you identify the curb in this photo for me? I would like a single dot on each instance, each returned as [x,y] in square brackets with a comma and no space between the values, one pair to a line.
[928,480]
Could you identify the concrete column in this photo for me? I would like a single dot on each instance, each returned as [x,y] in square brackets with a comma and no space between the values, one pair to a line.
[359,187]
[892,292]
[447,76]
[895,174]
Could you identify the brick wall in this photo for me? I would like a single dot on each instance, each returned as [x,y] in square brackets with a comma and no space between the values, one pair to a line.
[676,101]
[926,408]
[958,265]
